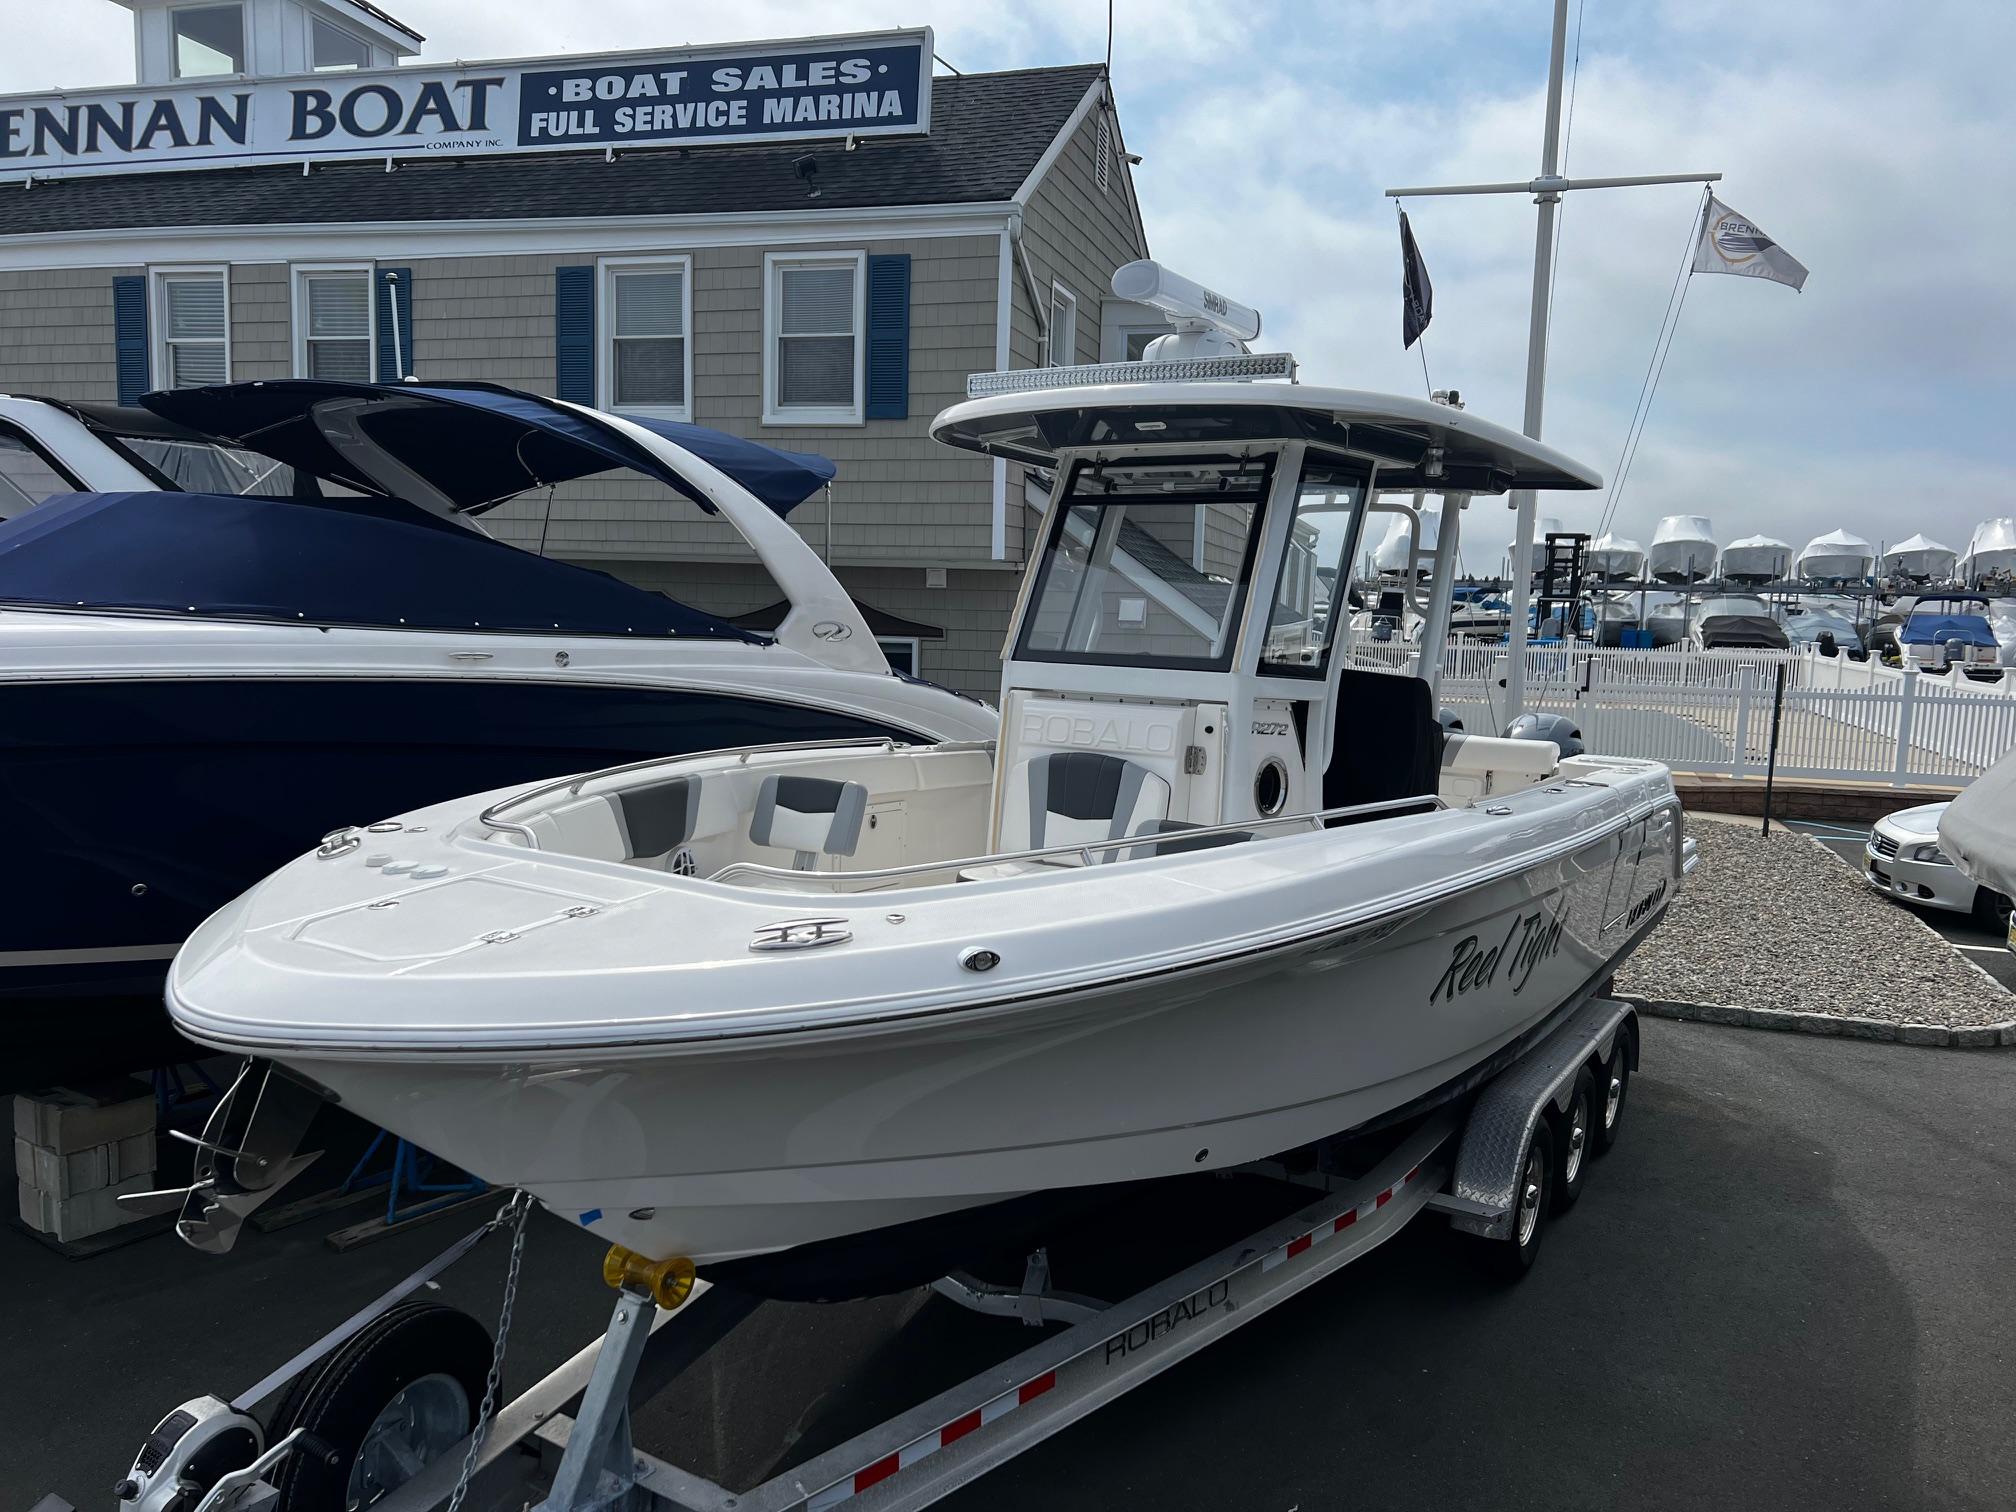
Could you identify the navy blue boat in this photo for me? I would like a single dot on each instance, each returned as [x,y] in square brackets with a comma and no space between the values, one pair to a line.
[195,687]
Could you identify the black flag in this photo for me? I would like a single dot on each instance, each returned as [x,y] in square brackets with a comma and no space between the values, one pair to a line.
[1417,294]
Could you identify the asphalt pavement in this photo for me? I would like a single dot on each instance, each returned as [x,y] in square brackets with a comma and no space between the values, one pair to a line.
[1790,1286]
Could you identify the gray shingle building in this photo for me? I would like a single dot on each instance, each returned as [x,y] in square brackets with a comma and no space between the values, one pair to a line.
[825,285]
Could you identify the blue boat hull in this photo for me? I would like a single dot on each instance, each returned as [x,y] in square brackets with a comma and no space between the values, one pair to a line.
[138,808]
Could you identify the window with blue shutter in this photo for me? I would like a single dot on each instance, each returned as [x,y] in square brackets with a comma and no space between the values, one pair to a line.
[129,335]
[394,291]
[574,333]
[889,337]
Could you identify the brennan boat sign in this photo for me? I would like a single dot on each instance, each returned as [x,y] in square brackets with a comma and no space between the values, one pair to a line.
[877,84]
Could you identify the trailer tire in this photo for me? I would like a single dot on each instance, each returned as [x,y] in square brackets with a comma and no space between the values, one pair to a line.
[1574,1141]
[436,1358]
[1513,1255]
[1613,1081]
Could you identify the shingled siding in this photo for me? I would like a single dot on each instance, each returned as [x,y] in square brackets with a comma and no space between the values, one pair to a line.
[262,322]
[56,333]
[899,496]
[972,609]
[1076,234]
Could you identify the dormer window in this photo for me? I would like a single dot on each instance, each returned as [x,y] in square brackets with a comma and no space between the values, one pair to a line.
[209,40]
[330,48]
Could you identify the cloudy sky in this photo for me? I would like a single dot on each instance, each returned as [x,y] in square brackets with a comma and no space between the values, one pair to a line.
[1872,140]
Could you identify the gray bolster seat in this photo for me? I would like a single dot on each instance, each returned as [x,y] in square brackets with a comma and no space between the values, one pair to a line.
[808,816]
[1072,797]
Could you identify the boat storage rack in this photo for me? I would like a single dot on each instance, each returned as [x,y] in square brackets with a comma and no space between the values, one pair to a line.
[1488,1162]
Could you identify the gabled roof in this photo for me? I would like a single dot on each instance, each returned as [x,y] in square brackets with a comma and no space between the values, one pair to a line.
[987,132]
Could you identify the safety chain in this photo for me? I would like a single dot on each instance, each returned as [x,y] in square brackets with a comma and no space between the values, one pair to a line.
[514,1213]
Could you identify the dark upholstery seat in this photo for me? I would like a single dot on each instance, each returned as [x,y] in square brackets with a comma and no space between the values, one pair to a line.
[1387,742]
[657,819]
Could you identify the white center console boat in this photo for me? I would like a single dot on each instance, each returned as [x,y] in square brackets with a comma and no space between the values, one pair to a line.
[1214,894]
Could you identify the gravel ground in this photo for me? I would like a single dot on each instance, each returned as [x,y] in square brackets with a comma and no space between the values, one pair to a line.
[1775,922]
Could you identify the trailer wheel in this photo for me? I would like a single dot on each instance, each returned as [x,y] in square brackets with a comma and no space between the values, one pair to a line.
[399,1395]
[1513,1255]
[1573,1141]
[1613,1081]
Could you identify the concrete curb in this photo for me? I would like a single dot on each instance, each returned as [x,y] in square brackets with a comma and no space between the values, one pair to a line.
[1971,1037]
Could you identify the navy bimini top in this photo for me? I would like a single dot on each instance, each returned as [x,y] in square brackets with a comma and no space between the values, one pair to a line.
[479,444]
[355,561]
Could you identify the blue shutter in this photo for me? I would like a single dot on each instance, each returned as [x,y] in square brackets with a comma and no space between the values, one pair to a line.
[574,333]
[889,337]
[129,336]
[393,291]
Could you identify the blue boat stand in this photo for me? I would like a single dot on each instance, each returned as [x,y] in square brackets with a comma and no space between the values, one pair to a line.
[409,1194]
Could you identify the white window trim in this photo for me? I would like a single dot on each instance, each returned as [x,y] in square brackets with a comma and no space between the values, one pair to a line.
[298,275]
[363,42]
[605,333]
[162,373]
[175,73]
[912,643]
[773,413]
[1063,290]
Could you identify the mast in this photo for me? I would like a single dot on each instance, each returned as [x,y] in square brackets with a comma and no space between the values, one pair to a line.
[1546,190]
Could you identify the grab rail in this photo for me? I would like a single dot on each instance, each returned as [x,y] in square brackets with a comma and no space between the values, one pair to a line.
[736,870]
[573,785]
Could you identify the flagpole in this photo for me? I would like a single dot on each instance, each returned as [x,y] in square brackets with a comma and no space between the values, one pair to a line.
[1546,190]
[1524,499]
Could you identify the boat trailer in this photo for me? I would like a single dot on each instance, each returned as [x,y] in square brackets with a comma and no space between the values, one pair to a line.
[1495,1165]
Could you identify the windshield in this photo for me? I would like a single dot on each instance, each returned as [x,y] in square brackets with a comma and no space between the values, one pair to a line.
[208,467]
[27,477]
[1147,562]
[1301,628]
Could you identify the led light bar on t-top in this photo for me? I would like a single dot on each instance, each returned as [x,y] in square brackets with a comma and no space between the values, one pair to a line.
[1236,369]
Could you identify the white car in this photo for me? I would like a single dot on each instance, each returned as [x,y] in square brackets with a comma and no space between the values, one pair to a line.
[1902,858]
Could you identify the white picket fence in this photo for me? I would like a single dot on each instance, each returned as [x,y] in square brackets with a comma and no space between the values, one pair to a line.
[1712,711]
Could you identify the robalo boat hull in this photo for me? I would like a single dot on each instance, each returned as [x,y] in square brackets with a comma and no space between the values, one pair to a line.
[754,1143]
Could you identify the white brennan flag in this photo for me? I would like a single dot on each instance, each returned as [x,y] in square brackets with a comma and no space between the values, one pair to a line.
[1731,243]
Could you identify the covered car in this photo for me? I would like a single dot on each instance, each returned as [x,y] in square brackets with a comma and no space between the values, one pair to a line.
[1977,833]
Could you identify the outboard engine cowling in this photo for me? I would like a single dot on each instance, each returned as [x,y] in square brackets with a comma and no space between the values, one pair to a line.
[1555,727]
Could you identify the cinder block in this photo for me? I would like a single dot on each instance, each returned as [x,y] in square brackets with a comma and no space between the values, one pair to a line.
[79,1217]
[86,1170]
[66,1120]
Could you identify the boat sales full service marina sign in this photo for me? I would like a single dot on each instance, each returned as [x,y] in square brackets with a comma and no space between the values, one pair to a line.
[870,85]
